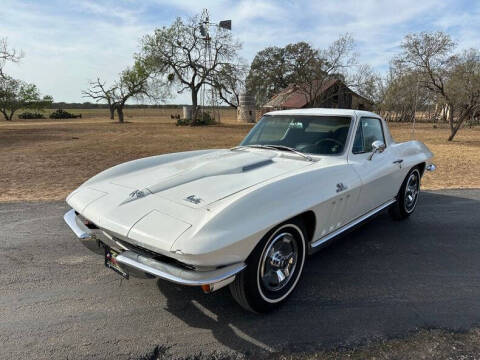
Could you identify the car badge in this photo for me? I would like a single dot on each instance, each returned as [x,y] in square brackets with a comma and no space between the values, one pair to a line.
[193,199]
[137,194]
[341,187]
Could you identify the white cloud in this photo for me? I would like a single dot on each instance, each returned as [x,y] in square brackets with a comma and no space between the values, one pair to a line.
[63,51]
[69,42]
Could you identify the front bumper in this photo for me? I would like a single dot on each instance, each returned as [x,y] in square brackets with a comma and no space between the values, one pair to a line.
[95,240]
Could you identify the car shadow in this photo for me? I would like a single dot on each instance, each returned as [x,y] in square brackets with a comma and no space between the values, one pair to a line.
[384,279]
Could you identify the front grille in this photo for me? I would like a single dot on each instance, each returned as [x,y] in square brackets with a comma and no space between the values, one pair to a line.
[154,255]
[86,222]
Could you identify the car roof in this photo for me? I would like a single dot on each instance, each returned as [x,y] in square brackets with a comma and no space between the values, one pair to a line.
[323,111]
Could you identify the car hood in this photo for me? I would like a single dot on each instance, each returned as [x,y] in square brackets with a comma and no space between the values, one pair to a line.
[205,179]
[176,194]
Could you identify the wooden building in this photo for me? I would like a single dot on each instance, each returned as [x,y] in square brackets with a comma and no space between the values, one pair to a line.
[331,93]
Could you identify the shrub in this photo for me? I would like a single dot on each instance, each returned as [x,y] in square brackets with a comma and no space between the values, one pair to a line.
[31,115]
[62,114]
[203,118]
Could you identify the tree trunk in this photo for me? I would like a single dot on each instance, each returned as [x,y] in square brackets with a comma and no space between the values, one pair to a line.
[5,115]
[453,132]
[112,111]
[120,113]
[10,117]
[194,105]
[454,129]
[451,123]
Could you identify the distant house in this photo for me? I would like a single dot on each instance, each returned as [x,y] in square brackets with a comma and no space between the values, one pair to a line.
[331,93]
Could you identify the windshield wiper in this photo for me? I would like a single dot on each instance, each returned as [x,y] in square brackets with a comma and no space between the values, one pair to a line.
[276,147]
[288,148]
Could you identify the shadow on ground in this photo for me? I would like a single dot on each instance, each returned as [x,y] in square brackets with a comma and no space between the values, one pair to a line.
[384,280]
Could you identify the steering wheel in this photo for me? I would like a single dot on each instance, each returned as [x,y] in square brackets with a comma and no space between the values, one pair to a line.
[335,141]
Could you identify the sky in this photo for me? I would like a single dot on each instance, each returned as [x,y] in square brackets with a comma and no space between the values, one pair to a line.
[67,43]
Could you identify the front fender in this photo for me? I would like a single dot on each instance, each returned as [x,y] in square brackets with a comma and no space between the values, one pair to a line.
[234,227]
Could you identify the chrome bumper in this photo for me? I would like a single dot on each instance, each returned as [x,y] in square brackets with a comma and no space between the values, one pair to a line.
[131,260]
[176,274]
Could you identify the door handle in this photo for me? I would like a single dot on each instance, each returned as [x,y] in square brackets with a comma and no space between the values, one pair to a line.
[398,161]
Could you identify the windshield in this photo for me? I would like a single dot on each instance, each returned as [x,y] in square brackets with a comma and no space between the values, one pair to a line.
[321,135]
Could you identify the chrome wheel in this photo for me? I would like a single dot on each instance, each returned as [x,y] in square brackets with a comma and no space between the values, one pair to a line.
[278,262]
[273,268]
[411,191]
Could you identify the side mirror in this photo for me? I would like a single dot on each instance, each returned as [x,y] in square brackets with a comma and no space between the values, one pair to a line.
[377,147]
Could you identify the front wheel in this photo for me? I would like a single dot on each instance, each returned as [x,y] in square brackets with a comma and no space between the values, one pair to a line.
[407,197]
[273,269]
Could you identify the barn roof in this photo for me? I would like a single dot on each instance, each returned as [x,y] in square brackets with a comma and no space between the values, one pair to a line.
[293,98]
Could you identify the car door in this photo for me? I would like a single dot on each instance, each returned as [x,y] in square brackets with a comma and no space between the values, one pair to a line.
[378,172]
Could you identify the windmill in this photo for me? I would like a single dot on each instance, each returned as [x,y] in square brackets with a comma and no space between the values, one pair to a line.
[204,27]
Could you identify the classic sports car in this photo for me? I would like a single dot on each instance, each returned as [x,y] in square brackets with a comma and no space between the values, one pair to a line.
[248,216]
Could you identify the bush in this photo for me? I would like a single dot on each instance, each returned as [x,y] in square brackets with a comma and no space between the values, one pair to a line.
[30,115]
[203,118]
[62,114]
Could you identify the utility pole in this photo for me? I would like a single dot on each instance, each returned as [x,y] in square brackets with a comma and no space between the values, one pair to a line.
[415,110]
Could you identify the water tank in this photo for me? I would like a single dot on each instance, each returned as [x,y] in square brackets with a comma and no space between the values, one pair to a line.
[187,112]
[246,108]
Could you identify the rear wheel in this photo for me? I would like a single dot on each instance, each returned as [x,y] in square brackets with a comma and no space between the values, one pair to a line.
[273,269]
[407,197]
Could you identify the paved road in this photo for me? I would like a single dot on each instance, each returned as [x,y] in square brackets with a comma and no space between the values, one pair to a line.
[384,280]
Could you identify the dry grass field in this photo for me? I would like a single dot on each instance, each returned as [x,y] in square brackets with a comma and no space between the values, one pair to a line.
[46,159]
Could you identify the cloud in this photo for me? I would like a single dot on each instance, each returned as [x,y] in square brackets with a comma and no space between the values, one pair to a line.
[69,42]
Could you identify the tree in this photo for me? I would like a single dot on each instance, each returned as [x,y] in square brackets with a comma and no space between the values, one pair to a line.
[366,82]
[135,83]
[315,68]
[463,88]
[16,94]
[98,91]
[301,66]
[7,55]
[400,96]
[268,74]
[229,82]
[179,53]
[452,78]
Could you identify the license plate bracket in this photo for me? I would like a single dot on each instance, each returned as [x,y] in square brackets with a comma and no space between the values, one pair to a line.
[111,262]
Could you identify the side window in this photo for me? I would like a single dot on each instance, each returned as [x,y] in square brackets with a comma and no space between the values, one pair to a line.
[368,131]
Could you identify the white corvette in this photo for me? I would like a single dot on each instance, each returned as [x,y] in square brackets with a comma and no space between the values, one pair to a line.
[248,216]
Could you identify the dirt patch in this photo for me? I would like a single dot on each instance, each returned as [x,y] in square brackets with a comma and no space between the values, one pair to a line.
[458,161]
[45,160]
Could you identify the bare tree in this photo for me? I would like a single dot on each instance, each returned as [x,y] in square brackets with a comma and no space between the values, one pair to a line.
[98,91]
[7,55]
[181,50]
[401,95]
[367,83]
[451,77]
[463,88]
[322,66]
